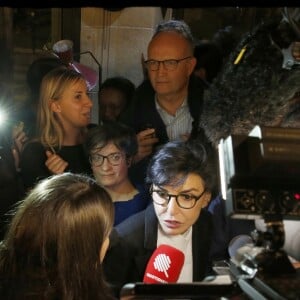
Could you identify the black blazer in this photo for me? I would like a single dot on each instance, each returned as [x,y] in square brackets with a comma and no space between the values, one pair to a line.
[134,240]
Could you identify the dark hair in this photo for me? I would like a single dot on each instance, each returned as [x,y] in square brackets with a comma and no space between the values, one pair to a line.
[209,57]
[52,247]
[226,39]
[122,84]
[174,161]
[116,132]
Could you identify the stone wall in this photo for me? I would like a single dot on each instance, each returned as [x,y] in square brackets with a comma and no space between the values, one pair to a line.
[117,39]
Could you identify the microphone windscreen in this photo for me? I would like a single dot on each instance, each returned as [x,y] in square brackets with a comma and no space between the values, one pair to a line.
[242,248]
[238,242]
[164,265]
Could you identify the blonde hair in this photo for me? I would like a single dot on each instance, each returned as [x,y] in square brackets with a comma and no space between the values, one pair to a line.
[54,83]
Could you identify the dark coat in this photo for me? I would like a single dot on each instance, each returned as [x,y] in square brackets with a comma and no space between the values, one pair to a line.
[142,114]
[11,187]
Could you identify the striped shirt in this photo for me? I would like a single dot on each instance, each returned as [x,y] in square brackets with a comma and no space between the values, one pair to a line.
[179,125]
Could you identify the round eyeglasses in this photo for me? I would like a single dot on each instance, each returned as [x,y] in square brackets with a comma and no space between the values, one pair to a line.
[169,64]
[183,200]
[114,159]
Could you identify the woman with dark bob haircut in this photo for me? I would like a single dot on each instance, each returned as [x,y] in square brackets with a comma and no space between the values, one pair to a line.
[182,179]
[173,162]
[111,148]
[56,242]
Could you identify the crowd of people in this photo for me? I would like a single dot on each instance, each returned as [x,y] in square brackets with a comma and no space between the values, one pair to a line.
[93,201]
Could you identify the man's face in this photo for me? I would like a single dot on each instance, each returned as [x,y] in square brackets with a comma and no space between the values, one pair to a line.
[170,45]
[174,219]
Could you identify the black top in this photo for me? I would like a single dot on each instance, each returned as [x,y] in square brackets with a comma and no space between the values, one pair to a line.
[11,190]
[33,160]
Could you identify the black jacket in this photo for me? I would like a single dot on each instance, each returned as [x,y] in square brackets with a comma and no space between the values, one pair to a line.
[134,240]
[143,114]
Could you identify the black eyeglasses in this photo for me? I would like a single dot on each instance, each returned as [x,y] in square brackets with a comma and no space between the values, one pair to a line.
[114,159]
[185,201]
[169,64]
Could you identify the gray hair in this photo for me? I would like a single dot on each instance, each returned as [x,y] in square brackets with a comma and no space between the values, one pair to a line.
[178,26]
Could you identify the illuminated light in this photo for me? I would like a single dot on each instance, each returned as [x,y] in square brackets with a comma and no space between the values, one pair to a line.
[222,170]
[297,196]
[3,116]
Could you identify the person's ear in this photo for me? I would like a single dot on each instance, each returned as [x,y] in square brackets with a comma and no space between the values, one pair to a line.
[129,161]
[55,107]
[206,199]
[192,64]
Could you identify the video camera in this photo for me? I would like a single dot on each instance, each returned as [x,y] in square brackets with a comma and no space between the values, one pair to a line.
[260,178]
[260,173]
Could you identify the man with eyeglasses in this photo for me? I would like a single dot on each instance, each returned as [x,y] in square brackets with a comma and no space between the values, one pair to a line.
[168,106]
[182,180]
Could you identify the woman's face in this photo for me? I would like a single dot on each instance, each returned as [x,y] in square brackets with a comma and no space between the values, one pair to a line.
[174,219]
[110,174]
[74,107]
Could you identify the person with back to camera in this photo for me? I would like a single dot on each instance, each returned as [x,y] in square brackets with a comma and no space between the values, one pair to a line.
[182,176]
[169,104]
[115,94]
[56,242]
[111,148]
[64,113]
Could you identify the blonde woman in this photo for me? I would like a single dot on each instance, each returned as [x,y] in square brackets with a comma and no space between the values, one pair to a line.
[64,112]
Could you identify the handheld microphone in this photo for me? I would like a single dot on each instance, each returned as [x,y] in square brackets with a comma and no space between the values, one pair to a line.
[164,265]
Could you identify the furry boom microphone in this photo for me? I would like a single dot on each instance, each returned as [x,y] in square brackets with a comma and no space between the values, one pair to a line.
[253,88]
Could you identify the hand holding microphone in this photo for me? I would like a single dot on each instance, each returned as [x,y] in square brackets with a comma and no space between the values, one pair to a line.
[164,265]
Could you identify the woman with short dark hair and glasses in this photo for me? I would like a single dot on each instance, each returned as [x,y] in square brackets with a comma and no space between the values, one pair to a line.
[111,147]
[182,180]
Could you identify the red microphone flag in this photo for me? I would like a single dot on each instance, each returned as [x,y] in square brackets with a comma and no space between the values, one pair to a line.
[164,265]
